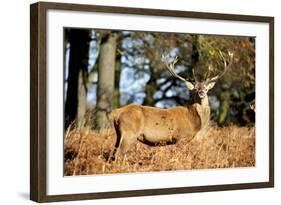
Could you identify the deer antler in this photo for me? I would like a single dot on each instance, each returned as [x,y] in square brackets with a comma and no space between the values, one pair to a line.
[226,66]
[194,76]
[171,66]
[171,69]
[208,72]
[253,107]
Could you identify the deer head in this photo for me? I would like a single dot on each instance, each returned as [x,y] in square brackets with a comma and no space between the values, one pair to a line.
[200,88]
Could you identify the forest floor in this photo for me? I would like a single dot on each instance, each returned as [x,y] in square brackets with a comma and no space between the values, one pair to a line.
[86,151]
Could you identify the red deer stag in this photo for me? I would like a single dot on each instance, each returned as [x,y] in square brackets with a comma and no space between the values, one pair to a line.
[152,125]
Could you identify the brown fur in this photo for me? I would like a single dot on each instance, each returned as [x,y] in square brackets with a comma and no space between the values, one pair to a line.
[156,126]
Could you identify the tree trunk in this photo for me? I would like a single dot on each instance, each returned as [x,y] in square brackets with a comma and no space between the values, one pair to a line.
[150,89]
[224,107]
[195,53]
[75,105]
[82,97]
[116,98]
[106,71]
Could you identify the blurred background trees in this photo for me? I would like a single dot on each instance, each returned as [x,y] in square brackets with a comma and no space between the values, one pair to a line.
[76,89]
[107,69]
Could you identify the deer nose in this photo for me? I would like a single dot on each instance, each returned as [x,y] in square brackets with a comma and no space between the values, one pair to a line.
[201,93]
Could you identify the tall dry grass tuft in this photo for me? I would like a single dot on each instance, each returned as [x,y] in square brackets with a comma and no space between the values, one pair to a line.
[86,152]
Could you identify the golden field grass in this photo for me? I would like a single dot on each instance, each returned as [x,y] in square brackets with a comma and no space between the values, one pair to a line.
[86,152]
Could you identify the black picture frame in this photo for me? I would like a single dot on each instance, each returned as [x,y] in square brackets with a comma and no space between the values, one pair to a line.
[38,102]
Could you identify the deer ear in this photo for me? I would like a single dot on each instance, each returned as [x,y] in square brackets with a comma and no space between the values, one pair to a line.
[189,85]
[211,85]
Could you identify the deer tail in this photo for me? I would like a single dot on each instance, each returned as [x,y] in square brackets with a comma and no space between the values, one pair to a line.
[113,116]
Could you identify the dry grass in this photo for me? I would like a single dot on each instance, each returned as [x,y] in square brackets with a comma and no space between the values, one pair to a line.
[86,151]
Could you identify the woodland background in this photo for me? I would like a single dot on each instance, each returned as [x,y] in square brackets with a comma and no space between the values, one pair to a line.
[107,69]
[16,191]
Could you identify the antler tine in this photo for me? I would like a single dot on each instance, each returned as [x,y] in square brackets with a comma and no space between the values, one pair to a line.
[194,76]
[208,72]
[171,66]
[226,66]
[253,107]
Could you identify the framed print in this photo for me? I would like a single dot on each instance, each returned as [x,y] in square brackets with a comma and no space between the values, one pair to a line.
[134,102]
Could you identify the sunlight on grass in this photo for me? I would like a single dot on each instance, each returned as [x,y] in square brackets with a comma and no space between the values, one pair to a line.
[86,152]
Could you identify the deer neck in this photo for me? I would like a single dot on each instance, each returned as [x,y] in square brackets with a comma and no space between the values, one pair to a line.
[203,110]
